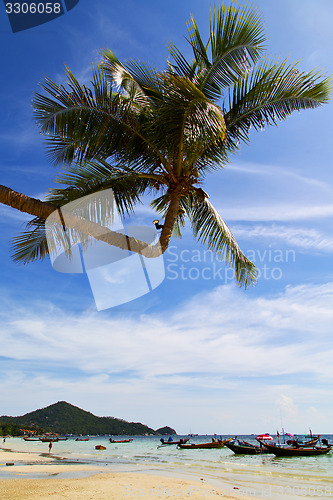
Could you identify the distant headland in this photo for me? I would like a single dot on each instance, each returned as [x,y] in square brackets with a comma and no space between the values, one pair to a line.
[64,418]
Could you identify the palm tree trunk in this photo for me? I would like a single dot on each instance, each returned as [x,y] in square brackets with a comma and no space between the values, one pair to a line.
[25,203]
[170,219]
[43,210]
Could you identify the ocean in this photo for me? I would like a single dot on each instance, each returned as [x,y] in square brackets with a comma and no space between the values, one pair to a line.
[260,476]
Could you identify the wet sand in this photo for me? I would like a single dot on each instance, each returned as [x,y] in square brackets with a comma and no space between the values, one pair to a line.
[95,485]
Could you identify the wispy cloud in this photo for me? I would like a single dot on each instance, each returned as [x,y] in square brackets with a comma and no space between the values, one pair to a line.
[8,214]
[307,239]
[276,171]
[205,345]
[268,192]
[276,212]
[200,327]
[26,136]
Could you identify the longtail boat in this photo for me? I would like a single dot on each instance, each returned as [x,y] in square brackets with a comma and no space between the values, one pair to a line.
[242,448]
[82,439]
[121,441]
[326,443]
[303,444]
[181,441]
[53,439]
[291,451]
[216,444]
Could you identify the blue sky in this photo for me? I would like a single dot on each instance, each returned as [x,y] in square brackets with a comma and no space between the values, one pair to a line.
[197,353]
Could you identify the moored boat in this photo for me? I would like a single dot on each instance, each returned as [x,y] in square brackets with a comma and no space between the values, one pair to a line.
[181,441]
[121,440]
[243,448]
[214,444]
[48,438]
[326,443]
[296,443]
[291,451]
[82,439]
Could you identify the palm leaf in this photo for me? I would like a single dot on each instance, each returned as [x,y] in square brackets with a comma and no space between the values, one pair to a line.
[83,125]
[185,121]
[128,187]
[138,79]
[182,66]
[271,92]
[199,48]
[30,245]
[209,228]
[236,40]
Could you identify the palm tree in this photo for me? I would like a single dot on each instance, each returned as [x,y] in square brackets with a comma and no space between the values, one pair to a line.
[140,130]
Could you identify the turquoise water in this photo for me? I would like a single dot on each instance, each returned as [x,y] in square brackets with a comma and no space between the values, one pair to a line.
[263,476]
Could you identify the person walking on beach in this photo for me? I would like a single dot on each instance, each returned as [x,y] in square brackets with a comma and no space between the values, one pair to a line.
[50,447]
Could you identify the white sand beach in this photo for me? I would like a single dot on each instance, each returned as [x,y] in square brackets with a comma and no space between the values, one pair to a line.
[94,485]
[111,487]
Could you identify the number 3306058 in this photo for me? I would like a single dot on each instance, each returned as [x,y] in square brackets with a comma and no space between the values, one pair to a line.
[33,8]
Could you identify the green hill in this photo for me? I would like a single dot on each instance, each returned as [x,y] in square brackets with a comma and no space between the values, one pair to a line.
[64,418]
[11,429]
[164,431]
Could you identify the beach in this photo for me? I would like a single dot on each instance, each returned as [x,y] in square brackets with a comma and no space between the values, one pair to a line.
[31,476]
[111,486]
[108,486]
[144,469]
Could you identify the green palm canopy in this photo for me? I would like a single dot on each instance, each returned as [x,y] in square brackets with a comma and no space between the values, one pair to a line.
[141,130]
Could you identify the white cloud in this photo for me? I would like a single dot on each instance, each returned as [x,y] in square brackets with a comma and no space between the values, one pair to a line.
[288,406]
[270,193]
[305,238]
[276,212]
[279,173]
[224,342]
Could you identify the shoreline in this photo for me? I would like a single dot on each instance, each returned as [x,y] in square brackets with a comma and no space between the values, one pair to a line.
[39,475]
[35,475]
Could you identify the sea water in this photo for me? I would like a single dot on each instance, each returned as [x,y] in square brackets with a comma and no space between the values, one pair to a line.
[261,476]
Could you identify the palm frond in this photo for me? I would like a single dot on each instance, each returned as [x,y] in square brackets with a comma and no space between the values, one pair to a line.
[186,121]
[271,92]
[160,204]
[30,245]
[237,36]
[236,41]
[209,228]
[83,125]
[181,67]
[199,48]
[137,78]
[94,177]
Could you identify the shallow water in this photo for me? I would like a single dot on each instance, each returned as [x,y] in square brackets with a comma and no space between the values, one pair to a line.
[263,476]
